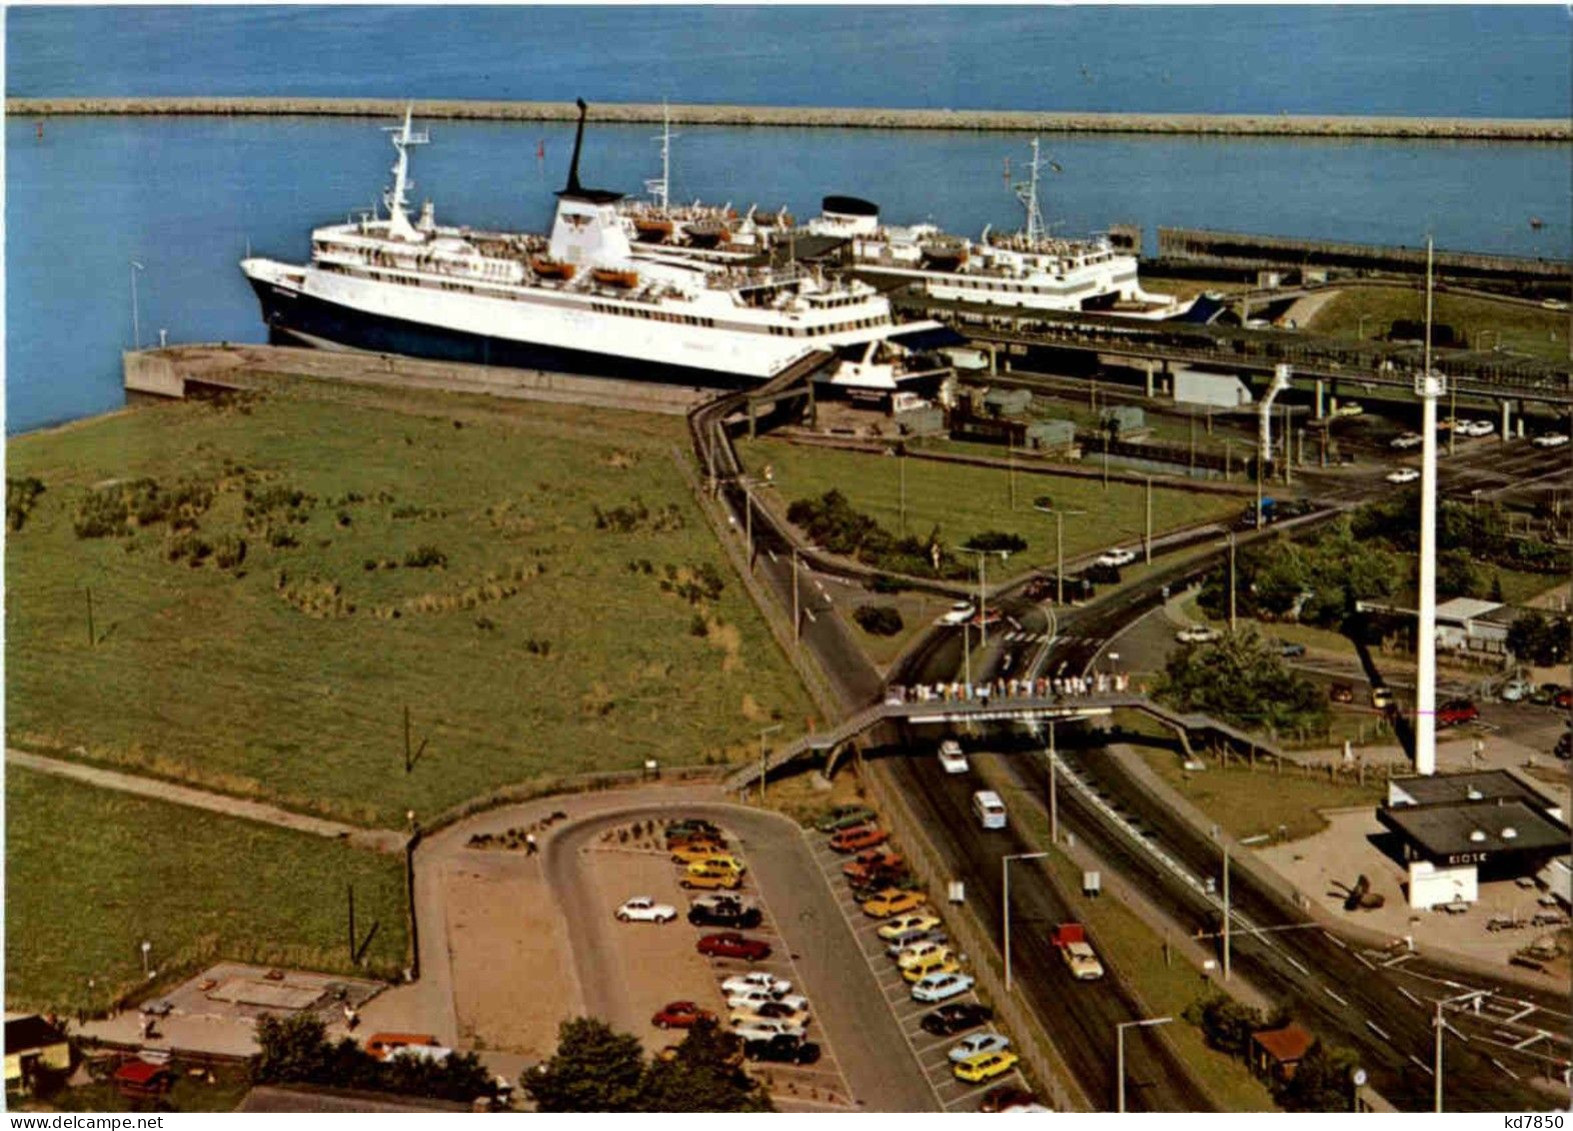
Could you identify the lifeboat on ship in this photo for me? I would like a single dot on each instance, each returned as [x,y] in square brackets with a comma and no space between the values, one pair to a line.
[620,277]
[548,268]
[653,229]
[782,219]
[944,254]
[707,232]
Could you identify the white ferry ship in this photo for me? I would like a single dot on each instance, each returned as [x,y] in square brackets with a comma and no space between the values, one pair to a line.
[1030,269]
[583,300]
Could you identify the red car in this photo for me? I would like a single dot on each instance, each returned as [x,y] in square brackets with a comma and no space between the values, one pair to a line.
[730,944]
[1563,699]
[858,838]
[680,1015]
[1456,711]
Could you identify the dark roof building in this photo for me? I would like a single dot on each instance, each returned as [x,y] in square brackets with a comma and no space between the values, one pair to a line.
[1477,832]
[1487,785]
[1278,1052]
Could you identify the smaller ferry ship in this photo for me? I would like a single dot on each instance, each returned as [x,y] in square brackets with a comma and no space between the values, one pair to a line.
[1030,268]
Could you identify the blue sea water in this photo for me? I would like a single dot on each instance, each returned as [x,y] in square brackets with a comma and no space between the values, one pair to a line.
[186,197]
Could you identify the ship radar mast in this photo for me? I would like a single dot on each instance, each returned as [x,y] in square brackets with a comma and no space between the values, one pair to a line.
[1027,193]
[661,189]
[398,220]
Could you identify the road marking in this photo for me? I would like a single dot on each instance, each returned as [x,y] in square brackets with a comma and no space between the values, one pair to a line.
[1335,940]
[1366,962]
[772,554]
[1422,1064]
[1375,1028]
[1503,1067]
[1409,995]
[1335,997]
[1288,958]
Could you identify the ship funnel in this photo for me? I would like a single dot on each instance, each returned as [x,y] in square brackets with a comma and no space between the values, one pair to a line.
[578,141]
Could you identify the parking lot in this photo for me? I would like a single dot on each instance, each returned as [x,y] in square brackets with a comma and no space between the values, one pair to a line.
[929,1051]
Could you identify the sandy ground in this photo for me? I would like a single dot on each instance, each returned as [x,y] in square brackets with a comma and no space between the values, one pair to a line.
[1321,866]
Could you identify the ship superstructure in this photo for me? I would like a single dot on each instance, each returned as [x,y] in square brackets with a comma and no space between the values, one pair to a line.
[1030,268]
[584,299]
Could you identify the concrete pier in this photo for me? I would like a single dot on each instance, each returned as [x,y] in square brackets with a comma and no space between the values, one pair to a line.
[1027,121]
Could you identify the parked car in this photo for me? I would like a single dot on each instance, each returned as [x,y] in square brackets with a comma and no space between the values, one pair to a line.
[845,817]
[985,1067]
[893,901]
[1406,440]
[763,1028]
[753,997]
[1006,1097]
[871,861]
[724,911]
[782,1049]
[680,1015]
[1382,697]
[702,876]
[1476,427]
[1341,693]
[876,880]
[1115,558]
[643,909]
[951,759]
[1198,634]
[912,937]
[859,837]
[1564,746]
[942,987]
[687,852]
[1348,408]
[1289,649]
[689,827]
[1402,475]
[792,1016]
[757,980]
[978,1044]
[1550,440]
[730,944]
[914,953]
[955,1017]
[916,921]
[1456,712]
[1545,694]
[1563,699]
[1515,690]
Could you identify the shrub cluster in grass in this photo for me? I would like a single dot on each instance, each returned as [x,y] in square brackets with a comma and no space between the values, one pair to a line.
[20,495]
[878,620]
[426,557]
[693,583]
[1316,581]
[262,502]
[1476,534]
[110,511]
[296,1050]
[831,522]
[1243,680]
[636,516]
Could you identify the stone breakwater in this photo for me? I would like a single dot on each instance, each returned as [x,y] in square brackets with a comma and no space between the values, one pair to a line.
[1230,125]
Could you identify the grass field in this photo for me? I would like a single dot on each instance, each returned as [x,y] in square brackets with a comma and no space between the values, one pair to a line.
[533,582]
[1523,329]
[91,873]
[963,501]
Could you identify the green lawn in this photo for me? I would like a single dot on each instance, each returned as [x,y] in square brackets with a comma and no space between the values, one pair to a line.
[1524,329]
[541,646]
[91,873]
[963,501]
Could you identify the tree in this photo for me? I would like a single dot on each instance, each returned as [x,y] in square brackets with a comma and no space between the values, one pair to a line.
[878,620]
[1537,640]
[706,1074]
[594,1069]
[1228,1024]
[1321,1081]
[294,1049]
[1242,679]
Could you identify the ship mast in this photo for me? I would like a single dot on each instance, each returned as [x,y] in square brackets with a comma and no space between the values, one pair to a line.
[402,138]
[1028,195]
[661,189]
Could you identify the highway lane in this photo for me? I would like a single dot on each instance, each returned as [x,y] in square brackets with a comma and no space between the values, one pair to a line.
[1324,984]
[1080,1016]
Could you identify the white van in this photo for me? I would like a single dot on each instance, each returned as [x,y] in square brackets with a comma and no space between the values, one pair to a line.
[988,807]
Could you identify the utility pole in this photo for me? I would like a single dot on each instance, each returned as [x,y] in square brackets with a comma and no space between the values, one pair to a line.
[1054,806]
[748,526]
[1105,459]
[797,616]
[1233,585]
[1147,536]
[1288,448]
[92,639]
[1010,466]
[1193,439]
[901,462]
[1259,490]
[764,766]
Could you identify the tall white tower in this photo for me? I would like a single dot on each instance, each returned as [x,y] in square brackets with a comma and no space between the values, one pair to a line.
[1428,387]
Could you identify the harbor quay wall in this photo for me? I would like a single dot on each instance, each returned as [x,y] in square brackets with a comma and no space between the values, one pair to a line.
[855,117]
[188,370]
[1235,249]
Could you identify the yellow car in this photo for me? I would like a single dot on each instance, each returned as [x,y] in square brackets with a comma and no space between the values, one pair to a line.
[893,901]
[904,923]
[985,1066]
[720,861]
[704,876]
[697,850]
[945,963]
[917,952]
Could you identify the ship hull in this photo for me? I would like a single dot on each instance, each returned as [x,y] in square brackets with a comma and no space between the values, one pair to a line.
[296,318]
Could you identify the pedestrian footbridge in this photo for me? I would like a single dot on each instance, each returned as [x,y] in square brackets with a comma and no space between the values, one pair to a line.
[899,707]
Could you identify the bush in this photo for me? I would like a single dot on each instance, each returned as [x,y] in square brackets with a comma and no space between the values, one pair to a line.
[426,557]
[878,620]
[996,541]
[884,583]
[20,495]
[229,552]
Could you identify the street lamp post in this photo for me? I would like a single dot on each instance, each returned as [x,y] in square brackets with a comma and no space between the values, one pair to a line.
[1471,995]
[147,948]
[983,620]
[1257,839]
[1119,1030]
[1059,548]
[1005,900]
[1054,806]
[136,317]
[763,766]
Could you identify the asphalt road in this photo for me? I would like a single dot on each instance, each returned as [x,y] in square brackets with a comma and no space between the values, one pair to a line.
[855,1022]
